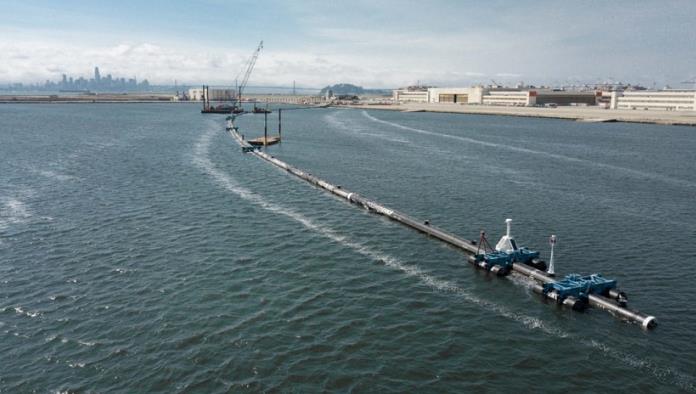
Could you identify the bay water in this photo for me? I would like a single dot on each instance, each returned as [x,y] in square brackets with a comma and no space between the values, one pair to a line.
[141,251]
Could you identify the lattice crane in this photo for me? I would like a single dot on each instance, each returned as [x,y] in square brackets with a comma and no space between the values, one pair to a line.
[249,67]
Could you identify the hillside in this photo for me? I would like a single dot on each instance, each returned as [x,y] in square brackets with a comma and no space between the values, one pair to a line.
[350,89]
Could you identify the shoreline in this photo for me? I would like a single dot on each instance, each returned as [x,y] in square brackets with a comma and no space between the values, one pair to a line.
[578,114]
[84,99]
[57,102]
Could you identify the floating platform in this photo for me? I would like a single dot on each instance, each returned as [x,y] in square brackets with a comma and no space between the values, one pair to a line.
[264,141]
[596,120]
[573,291]
[259,110]
[216,111]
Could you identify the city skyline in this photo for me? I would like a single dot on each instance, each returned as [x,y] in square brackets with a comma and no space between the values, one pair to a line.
[96,83]
[108,83]
[382,45]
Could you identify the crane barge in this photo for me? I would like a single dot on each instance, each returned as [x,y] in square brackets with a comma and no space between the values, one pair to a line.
[236,108]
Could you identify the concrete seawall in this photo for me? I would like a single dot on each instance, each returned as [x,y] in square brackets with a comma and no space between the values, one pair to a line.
[106,98]
[583,114]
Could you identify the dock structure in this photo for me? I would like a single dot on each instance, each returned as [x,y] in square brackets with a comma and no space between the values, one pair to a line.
[264,141]
[612,300]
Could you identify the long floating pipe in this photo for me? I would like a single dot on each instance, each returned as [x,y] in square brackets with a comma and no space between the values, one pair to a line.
[595,300]
[530,272]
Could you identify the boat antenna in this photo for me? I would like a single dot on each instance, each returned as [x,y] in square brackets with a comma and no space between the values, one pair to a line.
[551,271]
[483,244]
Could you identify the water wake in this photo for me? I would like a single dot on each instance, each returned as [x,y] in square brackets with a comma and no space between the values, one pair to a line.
[616,207]
[12,211]
[202,160]
[681,380]
[55,175]
[629,171]
[341,125]
[22,312]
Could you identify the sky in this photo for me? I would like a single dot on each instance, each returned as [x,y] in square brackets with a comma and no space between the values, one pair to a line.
[376,44]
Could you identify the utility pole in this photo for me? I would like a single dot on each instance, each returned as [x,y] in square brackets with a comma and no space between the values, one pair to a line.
[265,128]
[279,126]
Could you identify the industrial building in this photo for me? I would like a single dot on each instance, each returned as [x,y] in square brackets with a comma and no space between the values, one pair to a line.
[214,94]
[540,97]
[668,100]
[517,98]
[567,97]
[418,94]
[470,95]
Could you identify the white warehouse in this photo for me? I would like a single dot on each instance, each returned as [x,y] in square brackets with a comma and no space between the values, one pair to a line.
[496,96]
[470,95]
[521,98]
[411,94]
[669,100]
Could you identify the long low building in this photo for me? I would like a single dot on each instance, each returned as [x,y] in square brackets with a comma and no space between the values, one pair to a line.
[470,95]
[411,94]
[668,100]
[520,97]
[541,97]
[517,98]
[567,97]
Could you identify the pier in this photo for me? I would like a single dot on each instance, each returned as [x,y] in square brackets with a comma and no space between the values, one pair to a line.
[264,141]
[573,291]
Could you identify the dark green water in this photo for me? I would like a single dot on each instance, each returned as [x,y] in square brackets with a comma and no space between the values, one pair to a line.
[141,251]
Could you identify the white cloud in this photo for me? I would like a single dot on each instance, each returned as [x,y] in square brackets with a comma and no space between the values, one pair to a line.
[508,75]
[375,44]
[368,57]
[34,61]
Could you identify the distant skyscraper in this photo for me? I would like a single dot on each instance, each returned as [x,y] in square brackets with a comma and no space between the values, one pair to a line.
[97,77]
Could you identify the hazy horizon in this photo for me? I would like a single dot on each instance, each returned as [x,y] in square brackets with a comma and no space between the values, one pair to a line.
[376,45]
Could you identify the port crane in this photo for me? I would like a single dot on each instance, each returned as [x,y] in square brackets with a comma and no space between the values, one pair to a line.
[691,81]
[249,67]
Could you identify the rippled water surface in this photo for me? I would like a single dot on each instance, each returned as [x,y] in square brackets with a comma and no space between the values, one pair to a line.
[140,250]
